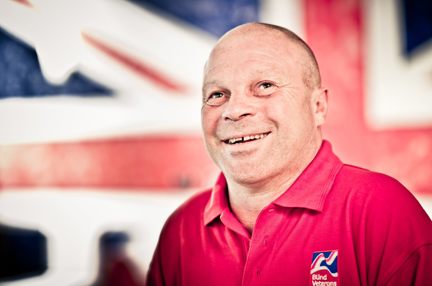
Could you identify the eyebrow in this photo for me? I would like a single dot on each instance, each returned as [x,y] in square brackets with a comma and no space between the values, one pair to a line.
[209,83]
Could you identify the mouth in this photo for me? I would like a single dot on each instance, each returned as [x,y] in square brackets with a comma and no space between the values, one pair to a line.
[246,138]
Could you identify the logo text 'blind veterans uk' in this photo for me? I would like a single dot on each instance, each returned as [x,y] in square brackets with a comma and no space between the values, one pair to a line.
[324,271]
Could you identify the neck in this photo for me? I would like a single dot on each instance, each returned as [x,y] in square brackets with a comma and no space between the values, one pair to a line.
[248,200]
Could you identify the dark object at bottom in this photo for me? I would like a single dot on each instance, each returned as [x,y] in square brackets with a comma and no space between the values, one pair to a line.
[23,253]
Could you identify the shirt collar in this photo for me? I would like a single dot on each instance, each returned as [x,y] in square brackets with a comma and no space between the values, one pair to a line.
[309,190]
[218,200]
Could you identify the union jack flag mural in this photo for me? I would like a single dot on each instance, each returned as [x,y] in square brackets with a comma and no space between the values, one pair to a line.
[100,112]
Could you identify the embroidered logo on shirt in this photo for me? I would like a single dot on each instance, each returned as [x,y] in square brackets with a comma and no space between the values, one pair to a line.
[324,270]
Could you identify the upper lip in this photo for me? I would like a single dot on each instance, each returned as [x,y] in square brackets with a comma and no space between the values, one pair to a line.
[241,138]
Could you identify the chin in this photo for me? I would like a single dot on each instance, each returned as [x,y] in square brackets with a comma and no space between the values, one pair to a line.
[245,177]
[243,171]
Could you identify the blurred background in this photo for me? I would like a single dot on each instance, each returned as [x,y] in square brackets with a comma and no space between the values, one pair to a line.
[100,117]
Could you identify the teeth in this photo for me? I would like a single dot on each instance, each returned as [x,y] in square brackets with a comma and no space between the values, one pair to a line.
[246,138]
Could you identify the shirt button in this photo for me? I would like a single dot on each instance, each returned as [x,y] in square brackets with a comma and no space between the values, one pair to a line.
[258,272]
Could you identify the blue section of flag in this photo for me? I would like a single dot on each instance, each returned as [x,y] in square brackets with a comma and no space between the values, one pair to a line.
[21,76]
[213,16]
[417,21]
[23,253]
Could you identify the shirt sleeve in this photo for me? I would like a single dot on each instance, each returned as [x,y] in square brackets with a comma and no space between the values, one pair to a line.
[396,235]
[155,273]
[163,268]
[415,270]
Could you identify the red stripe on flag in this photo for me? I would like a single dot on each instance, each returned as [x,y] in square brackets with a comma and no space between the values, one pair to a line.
[169,162]
[137,66]
[24,2]
[335,30]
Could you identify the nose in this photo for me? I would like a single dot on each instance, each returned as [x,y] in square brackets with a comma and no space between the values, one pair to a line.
[238,107]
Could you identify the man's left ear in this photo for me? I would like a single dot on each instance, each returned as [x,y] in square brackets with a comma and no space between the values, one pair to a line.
[319,105]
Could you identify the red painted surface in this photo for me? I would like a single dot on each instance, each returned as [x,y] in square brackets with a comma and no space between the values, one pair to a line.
[336,31]
[25,2]
[150,162]
[136,66]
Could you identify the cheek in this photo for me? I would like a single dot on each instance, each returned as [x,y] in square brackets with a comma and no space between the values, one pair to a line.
[209,119]
[291,120]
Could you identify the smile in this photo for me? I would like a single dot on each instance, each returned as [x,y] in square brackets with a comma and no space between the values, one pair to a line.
[246,138]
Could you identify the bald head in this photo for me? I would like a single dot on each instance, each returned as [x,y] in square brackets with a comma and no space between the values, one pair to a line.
[305,56]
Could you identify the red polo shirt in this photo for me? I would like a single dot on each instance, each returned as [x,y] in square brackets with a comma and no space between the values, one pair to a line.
[336,225]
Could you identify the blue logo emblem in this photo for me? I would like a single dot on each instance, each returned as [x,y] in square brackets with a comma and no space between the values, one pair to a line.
[324,268]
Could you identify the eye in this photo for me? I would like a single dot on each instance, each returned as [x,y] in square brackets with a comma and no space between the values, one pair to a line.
[265,88]
[265,85]
[216,98]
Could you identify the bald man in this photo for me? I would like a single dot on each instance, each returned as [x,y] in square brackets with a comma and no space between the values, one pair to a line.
[285,210]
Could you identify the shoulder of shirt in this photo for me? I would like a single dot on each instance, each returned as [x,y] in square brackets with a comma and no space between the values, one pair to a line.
[197,201]
[395,219]
[379,193]
[192,208]
[360,178]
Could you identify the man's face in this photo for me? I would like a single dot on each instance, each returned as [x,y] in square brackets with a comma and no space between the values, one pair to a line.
[263,121]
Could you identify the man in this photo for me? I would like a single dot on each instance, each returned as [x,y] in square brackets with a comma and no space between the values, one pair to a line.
[285,210]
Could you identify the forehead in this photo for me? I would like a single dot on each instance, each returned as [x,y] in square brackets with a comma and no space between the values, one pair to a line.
[258,42]
[257,51]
